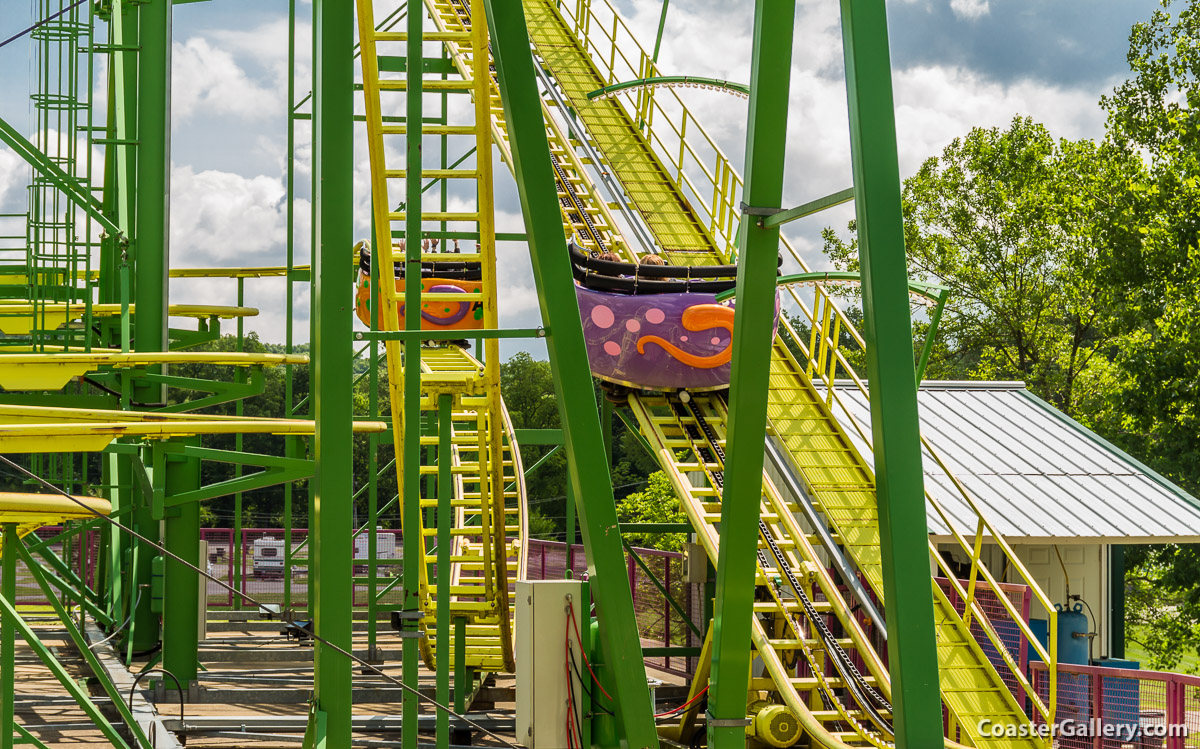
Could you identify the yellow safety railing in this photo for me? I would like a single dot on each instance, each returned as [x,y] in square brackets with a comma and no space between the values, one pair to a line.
[698,166]
[826,358]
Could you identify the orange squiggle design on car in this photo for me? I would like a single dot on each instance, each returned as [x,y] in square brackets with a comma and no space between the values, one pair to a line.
[696,318]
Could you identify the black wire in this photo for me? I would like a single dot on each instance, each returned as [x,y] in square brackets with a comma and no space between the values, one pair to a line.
[178,686]
[307,629]
[41,23]
[591,700]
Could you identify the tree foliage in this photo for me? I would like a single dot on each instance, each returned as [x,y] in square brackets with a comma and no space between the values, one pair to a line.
[1156,113]
[1075,266]
[1018,225]
[657,503]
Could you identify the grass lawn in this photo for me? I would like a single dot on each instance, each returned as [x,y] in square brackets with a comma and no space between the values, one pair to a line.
[1188,664]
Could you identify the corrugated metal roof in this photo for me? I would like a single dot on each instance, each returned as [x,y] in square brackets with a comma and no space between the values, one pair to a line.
[1036,474]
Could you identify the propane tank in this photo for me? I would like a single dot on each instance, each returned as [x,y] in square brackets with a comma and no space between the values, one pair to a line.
[1073,635]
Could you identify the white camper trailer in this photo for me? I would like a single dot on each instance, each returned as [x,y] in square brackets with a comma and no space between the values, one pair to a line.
[268,557]
[385,548]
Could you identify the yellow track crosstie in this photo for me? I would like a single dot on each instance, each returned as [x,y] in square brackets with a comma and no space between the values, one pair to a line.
[488,532]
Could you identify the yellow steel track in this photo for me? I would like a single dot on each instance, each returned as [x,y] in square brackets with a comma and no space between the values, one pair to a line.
[31,511]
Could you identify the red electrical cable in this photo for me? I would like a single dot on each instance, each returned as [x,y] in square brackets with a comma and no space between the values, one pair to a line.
[682,707]
[571,617]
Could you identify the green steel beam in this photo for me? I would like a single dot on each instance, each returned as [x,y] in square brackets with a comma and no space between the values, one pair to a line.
[684,615]
[332,407]
[895,431]
[276,470]
[152,222]
[70,186]
[28,738]
[657,528]
[45,581]
[444,523]
[658,652]
[670,80]
[935,317]
[501,236]
[447,335]
[807,209]
[587,467]
[662,25]
[181,589]
[72,586]
[9,614]
[930,291]
[149,251]
[754,313]
[538,436]
[411,455]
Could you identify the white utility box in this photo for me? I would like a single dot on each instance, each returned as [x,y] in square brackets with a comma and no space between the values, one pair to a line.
[542,635]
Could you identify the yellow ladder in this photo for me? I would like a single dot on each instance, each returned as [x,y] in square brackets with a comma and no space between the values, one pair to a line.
[488,530]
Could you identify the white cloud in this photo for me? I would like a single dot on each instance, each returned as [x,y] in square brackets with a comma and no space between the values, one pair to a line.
[14,174]
[207,79]
[970,9]
[221,218]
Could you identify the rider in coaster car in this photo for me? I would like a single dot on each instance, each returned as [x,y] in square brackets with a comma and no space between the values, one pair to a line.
[651,259]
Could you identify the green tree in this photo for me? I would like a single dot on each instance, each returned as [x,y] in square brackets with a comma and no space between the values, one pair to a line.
[1153,410]
[657,503]
[1156,406]
[1019,226]
[1162,602]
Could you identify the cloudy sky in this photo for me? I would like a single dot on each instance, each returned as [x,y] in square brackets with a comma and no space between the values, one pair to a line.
[957,64]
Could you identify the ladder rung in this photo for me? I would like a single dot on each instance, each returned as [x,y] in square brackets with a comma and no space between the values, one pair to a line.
[430,130]
[427,36]
[437,216]
[399,84]
[434,173]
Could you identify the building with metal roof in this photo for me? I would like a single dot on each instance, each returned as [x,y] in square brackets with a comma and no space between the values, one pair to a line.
[1039,475]
[1065,499]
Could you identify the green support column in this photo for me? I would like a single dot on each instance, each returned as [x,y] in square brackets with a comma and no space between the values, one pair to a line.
[766,139]
[181,602]
[444,523]
[587,467]
[150,251]
[332,403]
[904,535]
[8,591]
[410,461]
